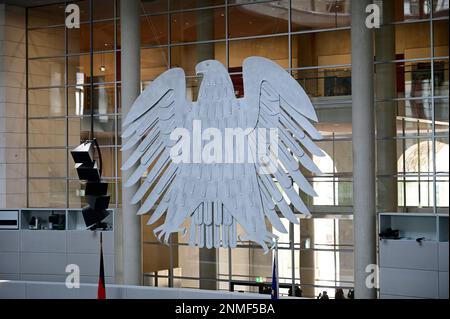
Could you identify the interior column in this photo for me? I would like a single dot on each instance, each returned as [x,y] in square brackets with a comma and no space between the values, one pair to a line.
[130,76]
[363,137]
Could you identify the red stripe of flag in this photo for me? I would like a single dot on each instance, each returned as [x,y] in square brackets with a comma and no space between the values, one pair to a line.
[101,292]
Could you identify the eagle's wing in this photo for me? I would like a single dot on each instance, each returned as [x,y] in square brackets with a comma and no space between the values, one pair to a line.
[159,109]
[276,101]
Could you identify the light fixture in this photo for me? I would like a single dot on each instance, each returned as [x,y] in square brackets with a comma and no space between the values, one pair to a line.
[102,68]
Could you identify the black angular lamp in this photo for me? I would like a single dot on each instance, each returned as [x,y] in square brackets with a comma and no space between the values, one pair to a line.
[96,190]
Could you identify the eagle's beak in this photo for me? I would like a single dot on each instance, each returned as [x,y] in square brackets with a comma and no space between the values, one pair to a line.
[198,69]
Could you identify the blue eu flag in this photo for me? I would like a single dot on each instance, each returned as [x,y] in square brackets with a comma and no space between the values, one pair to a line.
[274,294]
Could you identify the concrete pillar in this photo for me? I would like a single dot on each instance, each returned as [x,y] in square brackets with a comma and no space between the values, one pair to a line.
[386,112]
[363,134]
[130,72]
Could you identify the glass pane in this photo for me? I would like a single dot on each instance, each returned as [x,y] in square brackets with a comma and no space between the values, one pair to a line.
[46,72]
[324,86]
[412,9]
[76,193]
[258,19]
[47,132]
[46,15]
[77,98]
[154,30]
[441,115]
[104,129]
[188,261]
[47,192]
[103,9]
[46,102]
[78,39]
[320,14]
[153,63]
[103,33]
[416,47]
[108,159]
[440,33]
[187,56]
[199,25]
[78,68]
[441,78]
[79,130]
[274,48]
[104,100]
[46,42]
[104,67]
[154,6]
[321,49]
[187,4]
[47,162]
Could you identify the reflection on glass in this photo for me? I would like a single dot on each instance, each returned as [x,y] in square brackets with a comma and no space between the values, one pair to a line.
[103,9]
[47,192]
[46,72]
[274,48]
[330,82]
[103,35]
[187,4]
[46,42]
[47,132]
[46,102]
[47,162]
[440,34]
[321,49]
[154,30]
[78,69]
[320,14]
[46,15]
[269,17]
[103,101]
[187,56]
[153,63]
[154,6]
[78,39]
[104,67]
[199,25]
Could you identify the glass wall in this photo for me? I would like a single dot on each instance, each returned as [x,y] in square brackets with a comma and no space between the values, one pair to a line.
[74,88]
[73,94]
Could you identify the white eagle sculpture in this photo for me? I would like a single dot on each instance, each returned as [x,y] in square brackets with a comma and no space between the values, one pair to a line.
[215,197]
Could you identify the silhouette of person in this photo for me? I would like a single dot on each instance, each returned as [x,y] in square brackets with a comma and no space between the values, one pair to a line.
[339,294]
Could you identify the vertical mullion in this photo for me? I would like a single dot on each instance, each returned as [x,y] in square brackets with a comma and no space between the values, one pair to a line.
[419,171]
[66,92]
[230,269]
[91,73]
[335,201]
[433,118]
[169,37]
[404,163]
[292,248]
[227,54]
[27,188]
[289,39]
[116,111]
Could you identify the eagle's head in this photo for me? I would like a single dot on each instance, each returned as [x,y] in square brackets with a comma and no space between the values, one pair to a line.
[216,82]
[207,67]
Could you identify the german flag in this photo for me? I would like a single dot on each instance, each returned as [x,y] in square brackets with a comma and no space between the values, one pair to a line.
[101,291]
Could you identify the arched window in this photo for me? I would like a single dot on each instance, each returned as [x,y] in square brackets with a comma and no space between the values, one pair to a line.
[416,164]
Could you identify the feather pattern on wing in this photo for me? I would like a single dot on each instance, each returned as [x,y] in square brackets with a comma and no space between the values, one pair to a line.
[212,198]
